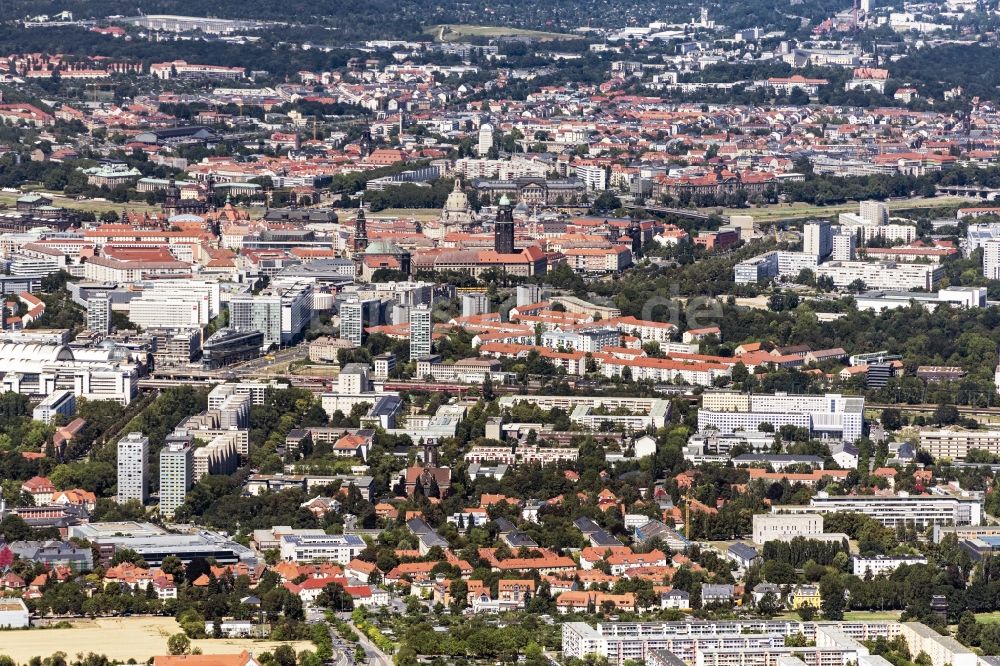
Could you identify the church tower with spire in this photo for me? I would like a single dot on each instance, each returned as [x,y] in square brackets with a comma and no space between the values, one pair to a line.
[360,231]
[635,233]
[503,230]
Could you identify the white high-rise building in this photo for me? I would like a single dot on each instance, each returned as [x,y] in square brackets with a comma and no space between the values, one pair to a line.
[485,139]
[355,315]
[475,304]
[874,212]
[844,245]
[527,294]
[99,313]
[817,239]
[421,328]
[176,476]
[133,458]
[991,259]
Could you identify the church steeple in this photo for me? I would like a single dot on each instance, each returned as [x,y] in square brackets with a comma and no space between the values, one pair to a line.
[503,230]
[635,233]
[366,144]
[172,199]
[360,230]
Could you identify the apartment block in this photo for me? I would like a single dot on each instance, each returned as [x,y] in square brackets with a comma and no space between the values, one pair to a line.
[133,461]
[829,416]
[176,475]
[922,511]
[883,275]
[956,444]
[780,526]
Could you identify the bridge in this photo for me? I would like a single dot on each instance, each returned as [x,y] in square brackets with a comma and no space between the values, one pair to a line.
[980,192]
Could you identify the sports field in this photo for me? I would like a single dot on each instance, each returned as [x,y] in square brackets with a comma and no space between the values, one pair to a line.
[120,639]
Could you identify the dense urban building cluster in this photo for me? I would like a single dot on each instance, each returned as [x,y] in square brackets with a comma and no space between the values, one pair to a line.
[599,334]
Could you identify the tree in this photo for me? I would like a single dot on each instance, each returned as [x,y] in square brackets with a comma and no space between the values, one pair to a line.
[857,286]
[798,97]
[806,612]
[172,565]
[335,597]
[14,528]
[831,590]
[946,414]
[284,655]
[769,605]
[128,555]
[607,201]
[891,419]
[179,644]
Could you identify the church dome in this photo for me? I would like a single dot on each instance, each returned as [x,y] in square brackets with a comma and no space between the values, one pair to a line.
[457,200]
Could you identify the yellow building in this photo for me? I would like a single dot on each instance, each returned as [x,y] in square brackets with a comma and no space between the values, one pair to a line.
[805,595]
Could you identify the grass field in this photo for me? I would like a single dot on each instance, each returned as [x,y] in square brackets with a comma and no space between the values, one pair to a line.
[803,210]
[120,639]
[87,205]
[871,616]
[455,32]
[988,618]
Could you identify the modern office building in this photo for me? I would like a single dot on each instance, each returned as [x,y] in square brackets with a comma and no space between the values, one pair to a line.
[281,312]
[175,346]
[421,330]
[338,548]
[164,310]
[133,462]
[829,416]
[921,511]
[761,268]
[256,390]
[58,403]
[176,475]
[99,313]
[228,346]
[773,264]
